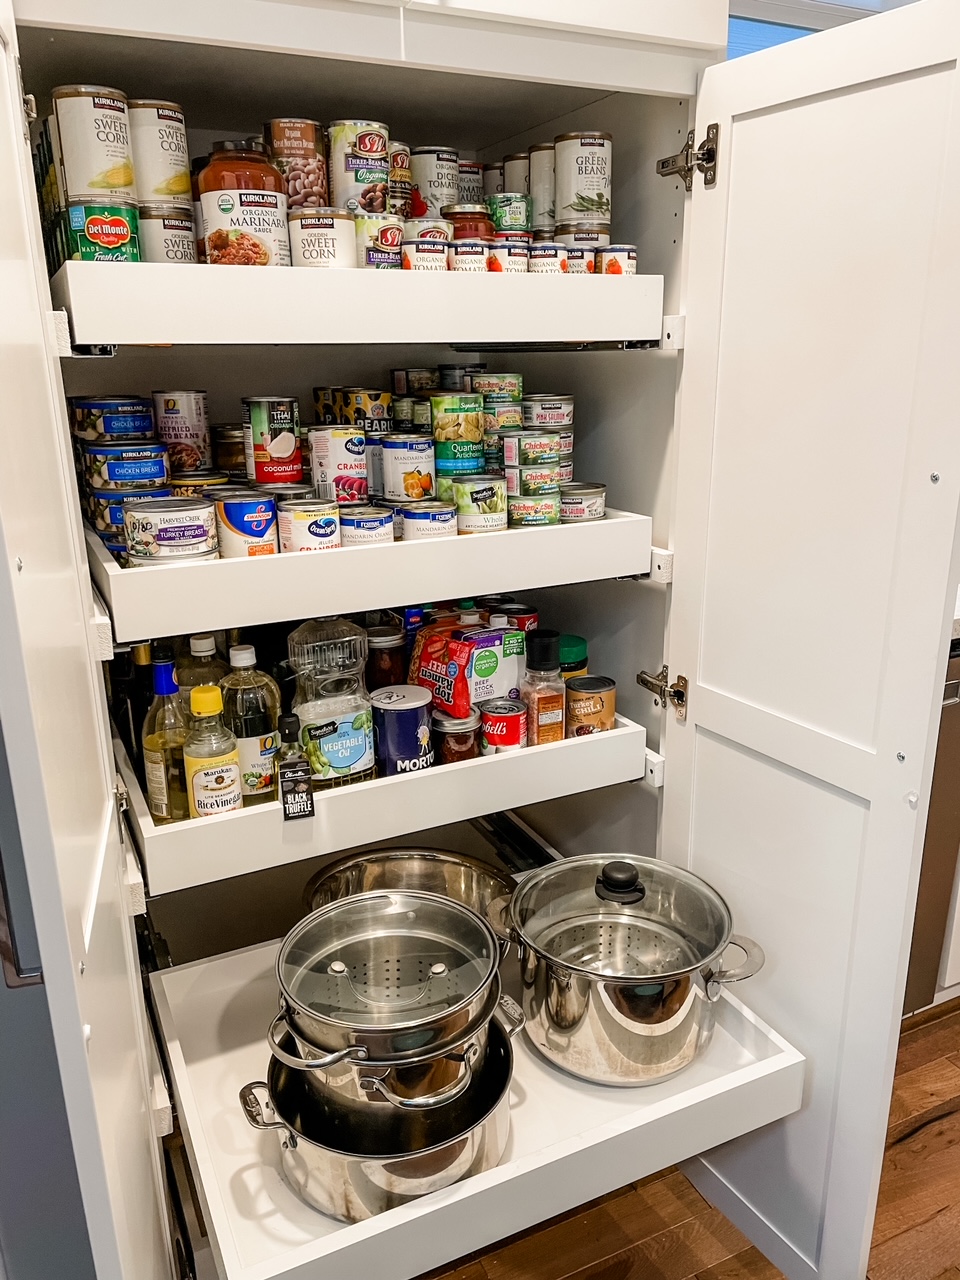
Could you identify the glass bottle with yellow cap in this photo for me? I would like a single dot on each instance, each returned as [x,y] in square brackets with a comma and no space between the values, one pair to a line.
[210,757]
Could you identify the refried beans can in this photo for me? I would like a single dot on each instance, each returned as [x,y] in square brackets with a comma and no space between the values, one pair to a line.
[591,705]
[183,426]
[246,524]
[93,125]
[435,178]
[470,182]
[308,524]
[271,439]
[365,526]
[339,461]
[322,237]
[379,240]
[503,725]
[424,255]
[296,147]
[409,471]
[359,165]
[399,185]
[158,140]
[167,233]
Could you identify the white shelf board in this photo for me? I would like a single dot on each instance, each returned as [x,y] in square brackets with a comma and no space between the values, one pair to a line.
[151,303]
[215,594]
[183,854]
[570,1141]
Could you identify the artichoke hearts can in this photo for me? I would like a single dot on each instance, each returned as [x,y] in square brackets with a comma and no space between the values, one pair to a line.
[584,168]
[158,139]
[170,528]
[271,439]
[308,524]
[322,237]
[481,503]
[93,125]
[591,705]
[458,433]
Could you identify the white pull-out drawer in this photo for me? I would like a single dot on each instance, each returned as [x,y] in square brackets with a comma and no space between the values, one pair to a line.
[570,1141]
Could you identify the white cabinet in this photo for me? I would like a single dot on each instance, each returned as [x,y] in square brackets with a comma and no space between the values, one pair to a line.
[809,487]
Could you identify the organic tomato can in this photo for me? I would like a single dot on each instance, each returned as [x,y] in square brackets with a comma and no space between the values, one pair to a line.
[435,179]
[548,258]
[508,257]
[103,232]
[503,725]
[467,255]
[339,462]
[379,240]
[616,260]
[424,255]
[584,168]
[579,261]
[408,467]
[96,157]
[271,439]
[158,138]
[399,184]
[308,524]
[359,165]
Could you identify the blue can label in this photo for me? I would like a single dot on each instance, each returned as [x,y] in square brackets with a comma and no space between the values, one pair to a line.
[401,730]
[340,746]
[247,526]
[129,470]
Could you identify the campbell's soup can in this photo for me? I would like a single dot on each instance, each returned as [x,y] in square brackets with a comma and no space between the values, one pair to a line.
[584,168]
[492,179]
[398,190]
[365,526]
[435,179]
[184,427]
[427,229]
[96,154]
[359,165]
[401,729]
[470,182]
[522,617]
[516,172]
[271,439]
[308,524]
[508,257]
[379,240]
[246,524]
[542,186]
[424,255]
[467,255]
[503,725]
[158,140]
[167,233]
[339,462]
[322,237]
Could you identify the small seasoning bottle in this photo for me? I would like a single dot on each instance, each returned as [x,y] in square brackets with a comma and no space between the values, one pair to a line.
[543,689]
[210,757]
[387,657]
[573,657]
[294,772]
[456,739]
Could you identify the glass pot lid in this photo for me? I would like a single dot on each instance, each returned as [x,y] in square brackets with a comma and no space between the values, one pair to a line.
[386,959]
[617,915]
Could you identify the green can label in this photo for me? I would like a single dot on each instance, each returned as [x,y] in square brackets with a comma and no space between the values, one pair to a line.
[104,233]
[459,457]
[509,211]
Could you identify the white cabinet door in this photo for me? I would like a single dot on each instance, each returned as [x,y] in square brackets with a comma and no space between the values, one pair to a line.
[51,707]
[816,571]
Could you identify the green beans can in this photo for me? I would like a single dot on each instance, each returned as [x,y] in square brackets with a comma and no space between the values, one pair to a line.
[104,232]
[509,211]
[481,503]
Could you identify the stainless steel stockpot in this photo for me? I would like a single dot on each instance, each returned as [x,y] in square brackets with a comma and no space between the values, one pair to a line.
[331,1163]
[621,962]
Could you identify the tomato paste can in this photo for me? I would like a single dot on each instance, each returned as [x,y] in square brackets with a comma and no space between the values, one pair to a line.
[508,257]
[435,179]
[308,524]
[359,165]
[271,439]
[542,186]
[365,526]
[399,183]
[363,407]
[379,240]
[167,233]
[481,503]
[322,237]
[467,255]
[591,705]
[547,410]
[427,229]
[492,179]
[158,140]
[616,260]
[120,467]
[339,463]
[425,520]
[520,616]
[584,166]
[96,157]
[408,467]
[402,736]
[509,210]
[296,148]
[516,172]
[530,512]
[503,725]
[424,255]
[103,232]
[170,528]
[470,182]
[111,417]
[246,524]
[582,501]
[548,258]
[183,426]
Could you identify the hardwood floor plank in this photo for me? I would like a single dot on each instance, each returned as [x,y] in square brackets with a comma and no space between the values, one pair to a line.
[921,1252]
[657,1206]
[921,1177]
[469,1271]
[921,1095]
[676,1254]
[748,1265]
[927,1043]
[557,1251]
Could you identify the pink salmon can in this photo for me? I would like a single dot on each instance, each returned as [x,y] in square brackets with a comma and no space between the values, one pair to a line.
[503,725]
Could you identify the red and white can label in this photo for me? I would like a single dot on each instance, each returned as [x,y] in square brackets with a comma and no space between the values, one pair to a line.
[503,726]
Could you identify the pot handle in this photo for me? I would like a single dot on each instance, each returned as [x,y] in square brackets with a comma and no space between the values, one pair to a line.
[511,1015]
[253,1109]
[353,1051]
[374,1084]
[752,963]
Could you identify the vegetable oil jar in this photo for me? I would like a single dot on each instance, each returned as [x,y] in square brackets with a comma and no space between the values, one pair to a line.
[331,701]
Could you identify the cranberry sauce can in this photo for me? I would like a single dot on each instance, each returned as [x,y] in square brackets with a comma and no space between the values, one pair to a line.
[401,729]
[503,725]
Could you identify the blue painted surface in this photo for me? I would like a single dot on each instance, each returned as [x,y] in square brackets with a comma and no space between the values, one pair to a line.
[747,35]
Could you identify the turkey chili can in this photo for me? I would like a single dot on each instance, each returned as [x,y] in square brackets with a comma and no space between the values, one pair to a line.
[365,526]
[308,524]
[379,240]
[584,165]
[503,725]
[170,528]
[271,439]
[183,426]
[322,237]
[398,191]
[401,729]
[359,165]
[591,705]
[158,140]
[435,177]
[93,124]
[167,234]
[246,524]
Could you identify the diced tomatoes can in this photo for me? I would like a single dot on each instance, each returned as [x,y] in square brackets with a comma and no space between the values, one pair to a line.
[379,240]
[365,526]
[503,726]
[308,524]
[399,183]
[322,237]
[470,182]
[424,255]
[548,258]
[435,178]
[339,463]
[103,232]
[616,260]
[246,524]
[511,258]
[359,165]
[547,410]
[584,167]
[409,471]
[579,261]
[271,439]
[96,156]
[167,233]
[184,427]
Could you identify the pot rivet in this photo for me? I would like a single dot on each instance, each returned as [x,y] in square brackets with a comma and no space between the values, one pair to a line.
[338,968]
[437,970]
[901,757]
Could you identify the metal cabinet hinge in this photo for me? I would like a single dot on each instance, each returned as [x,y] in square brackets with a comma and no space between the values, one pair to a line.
[664,692]
[122,800]
[28,104]
[686,162]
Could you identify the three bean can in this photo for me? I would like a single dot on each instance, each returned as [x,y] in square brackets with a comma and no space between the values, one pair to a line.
[359,165]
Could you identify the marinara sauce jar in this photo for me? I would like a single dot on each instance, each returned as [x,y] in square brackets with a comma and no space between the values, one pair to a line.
[470,221]
[243,200]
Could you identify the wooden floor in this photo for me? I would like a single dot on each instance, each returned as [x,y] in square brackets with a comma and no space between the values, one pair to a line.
[662,1229]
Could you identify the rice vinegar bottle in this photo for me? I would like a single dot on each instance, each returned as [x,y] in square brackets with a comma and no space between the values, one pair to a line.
[210,757]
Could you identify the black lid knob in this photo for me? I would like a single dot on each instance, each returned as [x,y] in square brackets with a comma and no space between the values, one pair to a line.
[289,728]
[543,649]
[620,882]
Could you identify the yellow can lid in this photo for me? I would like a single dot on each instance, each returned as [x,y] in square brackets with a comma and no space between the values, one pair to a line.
[206,700]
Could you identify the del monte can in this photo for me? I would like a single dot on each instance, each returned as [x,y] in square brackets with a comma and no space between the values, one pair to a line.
[104,232]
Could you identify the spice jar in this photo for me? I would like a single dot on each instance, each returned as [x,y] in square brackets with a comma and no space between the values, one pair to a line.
[456,739]
[387,657]
[228,450]
[243,201]
[573,657]
[470,221]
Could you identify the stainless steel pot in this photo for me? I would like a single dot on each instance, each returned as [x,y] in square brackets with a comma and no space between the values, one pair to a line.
[330,1161]
[622,963]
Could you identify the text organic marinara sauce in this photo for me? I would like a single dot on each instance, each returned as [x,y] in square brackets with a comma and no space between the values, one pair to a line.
[244,205]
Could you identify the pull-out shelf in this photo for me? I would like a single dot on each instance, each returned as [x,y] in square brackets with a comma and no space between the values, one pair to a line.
[570,1141]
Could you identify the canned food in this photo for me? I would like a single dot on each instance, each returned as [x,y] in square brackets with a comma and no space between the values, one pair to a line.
[508,257]
[529,448]
[396,510]
[105,510]
[523,512]
[167,233]
[547,411]
[283,492]
[510,210]
[158,139]
[424,520]
[408,467]
[373,453]
[107,417]
[359,165]
[470,182]
[503,725]
[399,184]
[308,524]
[481,503]
[582,501]
[492,179]
[170,528]
[197,483]
[498,386]
[542,186]
[516,172]
[457,433]
[365,526]
[228,452]
[182,425]
[435,179]
[424,255]
[528,482]
[93,126]
[126,466]
[427,229]
[271,439]
[467,255]
[589,235]
[584,164]
[246,524]
[401,729]
[323,405]
[548,258]
[524,238]
[103,232]
[339,462]
[296,148]
[493,455]
[402,413]
[522,617]
[379,240]
[617,260]
[407,382]
[591,705]
[501,416]
[579,261]
[566,471]
[322,237]
[372,411]
[118,549]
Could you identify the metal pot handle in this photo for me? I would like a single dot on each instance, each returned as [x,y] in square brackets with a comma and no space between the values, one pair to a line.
[374,1084]
[356,1052]
[253,1109]
[511,1015]
[752,963]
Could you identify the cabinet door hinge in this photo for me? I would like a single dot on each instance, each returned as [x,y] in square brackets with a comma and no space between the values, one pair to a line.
[122,800]
[686,162]
[664,692]
[28,104]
